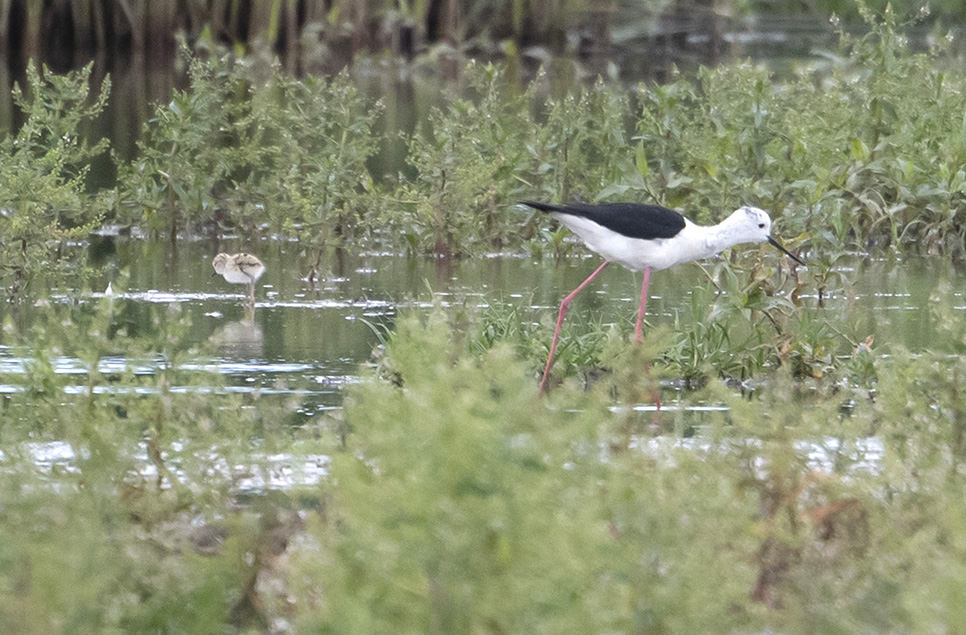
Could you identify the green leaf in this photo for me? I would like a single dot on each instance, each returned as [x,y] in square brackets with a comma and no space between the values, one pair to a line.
[614,189]
[641,161]
[860,151]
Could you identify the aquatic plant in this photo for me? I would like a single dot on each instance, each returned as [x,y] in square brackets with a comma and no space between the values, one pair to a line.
[468,160]
[460,482]
[193,152]
[120,481]
[237,149]
[248,149]
[867,162]
[452,491]
[453,486]
[44,201]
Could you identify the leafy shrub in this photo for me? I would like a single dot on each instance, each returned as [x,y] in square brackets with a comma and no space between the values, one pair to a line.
[862,148]
[233,151]
[44,201]
[461,503]
[467,162]
[121,488]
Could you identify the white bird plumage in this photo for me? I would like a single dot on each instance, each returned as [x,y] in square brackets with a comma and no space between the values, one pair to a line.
[692,242]
[241,268]
[645,237]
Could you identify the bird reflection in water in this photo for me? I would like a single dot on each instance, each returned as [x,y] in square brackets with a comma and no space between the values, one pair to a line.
[242,339]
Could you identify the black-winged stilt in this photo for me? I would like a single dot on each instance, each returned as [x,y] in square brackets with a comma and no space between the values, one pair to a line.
[239,269]
[649,237]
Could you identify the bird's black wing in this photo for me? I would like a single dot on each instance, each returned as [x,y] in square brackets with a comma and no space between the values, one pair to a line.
[633,220]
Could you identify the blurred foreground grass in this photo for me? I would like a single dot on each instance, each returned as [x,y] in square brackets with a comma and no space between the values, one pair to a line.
[458,501]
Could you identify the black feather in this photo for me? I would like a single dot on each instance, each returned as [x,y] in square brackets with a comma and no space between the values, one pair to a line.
[633,220]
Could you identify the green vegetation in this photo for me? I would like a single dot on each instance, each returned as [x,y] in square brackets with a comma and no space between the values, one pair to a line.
[457,500]
[827,499]
[873,159]
[463,503]
[288,157]
[117,499]
[44,200]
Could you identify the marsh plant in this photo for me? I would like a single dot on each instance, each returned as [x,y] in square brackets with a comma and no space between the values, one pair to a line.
[852,155]
[45,200]
[255,151]
[458,499]
[864,162]
[461,502]
[121,483]
[466,161]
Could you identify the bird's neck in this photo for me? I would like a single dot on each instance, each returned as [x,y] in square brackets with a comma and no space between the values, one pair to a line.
[719,237]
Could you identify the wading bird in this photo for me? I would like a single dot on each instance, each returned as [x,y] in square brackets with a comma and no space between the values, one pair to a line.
[649,237]
[239,269]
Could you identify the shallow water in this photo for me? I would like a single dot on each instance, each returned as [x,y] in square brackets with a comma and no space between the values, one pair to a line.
[305,342]
[308,341]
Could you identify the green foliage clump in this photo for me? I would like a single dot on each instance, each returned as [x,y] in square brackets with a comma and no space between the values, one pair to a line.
[121,486]
[193,152]
[855,154]
[462,503]
[466,162]
[481,155]
[44,200]
[860,155]
[457,499]
[258,154]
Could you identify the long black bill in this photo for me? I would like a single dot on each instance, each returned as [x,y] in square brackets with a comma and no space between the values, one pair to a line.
[787,253]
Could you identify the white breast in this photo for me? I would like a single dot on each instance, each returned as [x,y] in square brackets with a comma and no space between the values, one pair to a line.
[236,276]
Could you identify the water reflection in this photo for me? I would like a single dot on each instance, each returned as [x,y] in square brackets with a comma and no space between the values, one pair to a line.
[307,341]
[240,339]
[284,471]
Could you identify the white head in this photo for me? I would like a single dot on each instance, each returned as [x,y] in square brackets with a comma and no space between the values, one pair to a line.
[750,225]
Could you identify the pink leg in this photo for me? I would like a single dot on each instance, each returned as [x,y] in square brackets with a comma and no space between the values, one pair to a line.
[639,331]
[564,305]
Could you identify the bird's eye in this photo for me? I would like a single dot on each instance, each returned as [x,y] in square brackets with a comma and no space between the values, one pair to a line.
[761,225]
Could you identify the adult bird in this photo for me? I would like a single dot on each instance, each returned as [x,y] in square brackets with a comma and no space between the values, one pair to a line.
[649,237]
[239,269]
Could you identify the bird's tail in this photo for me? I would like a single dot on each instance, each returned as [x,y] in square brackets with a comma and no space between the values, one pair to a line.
[543,207]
